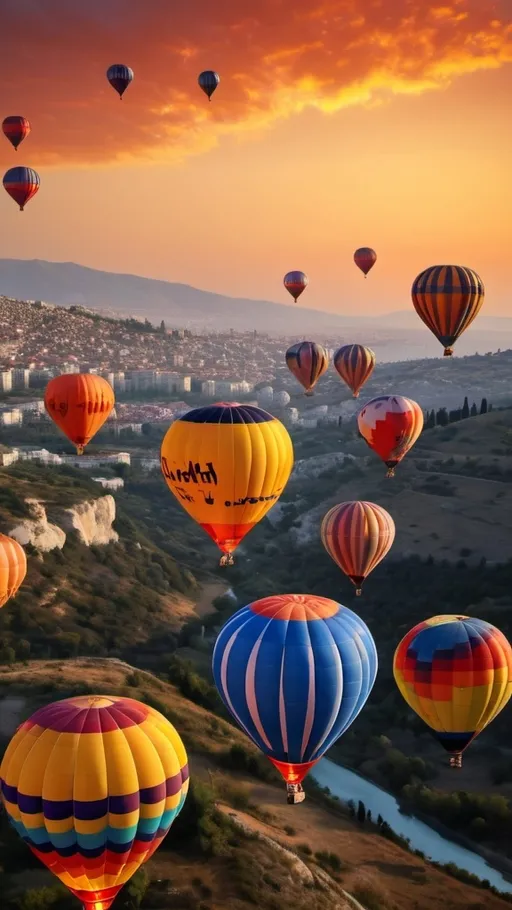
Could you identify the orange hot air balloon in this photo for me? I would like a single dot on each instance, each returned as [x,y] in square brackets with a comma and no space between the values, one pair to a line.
[13,568]
[79,403]
[447,298]
[357,536]
[390,425]
[365,258]
[307,360]
[355,365]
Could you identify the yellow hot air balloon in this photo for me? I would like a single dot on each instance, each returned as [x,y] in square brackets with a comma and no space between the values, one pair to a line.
[92,784]
[227,464]
[455,672]
[13,567]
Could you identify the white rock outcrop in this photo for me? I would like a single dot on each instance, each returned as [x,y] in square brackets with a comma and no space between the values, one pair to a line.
[37,530]
[91,520]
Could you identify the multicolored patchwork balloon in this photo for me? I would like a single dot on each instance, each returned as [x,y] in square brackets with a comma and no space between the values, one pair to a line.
[455,672]
[92,784]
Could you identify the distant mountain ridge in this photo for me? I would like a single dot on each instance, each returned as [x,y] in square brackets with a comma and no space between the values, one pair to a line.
[181,305]
[66,283]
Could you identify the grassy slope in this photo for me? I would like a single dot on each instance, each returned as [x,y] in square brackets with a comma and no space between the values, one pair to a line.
[99,600]
[250,871]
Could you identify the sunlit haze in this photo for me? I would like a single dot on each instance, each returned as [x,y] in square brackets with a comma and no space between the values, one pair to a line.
[335,125]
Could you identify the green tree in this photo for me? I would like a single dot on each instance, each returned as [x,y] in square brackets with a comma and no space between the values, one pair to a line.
[465,409]
[483,406]
[474,410]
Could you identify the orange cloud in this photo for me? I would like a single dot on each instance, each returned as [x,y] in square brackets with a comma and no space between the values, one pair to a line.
[275,58]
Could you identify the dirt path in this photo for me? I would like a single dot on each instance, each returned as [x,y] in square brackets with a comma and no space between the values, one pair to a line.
[208,594]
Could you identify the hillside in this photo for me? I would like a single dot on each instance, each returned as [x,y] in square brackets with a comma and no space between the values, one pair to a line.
[97,581]
[236,844]
[451,555]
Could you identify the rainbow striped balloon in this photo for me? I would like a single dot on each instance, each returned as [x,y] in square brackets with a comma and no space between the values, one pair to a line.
[92,784]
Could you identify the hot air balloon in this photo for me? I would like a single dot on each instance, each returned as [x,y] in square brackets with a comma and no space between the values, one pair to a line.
[119,77]
[355,365]
[208,82]
[15,129]
[295,283]
[92,784]
[21,183]
[79,403]
[390,425]
[227,464]
[455,672]
[447,298]
[357,536]
[13,568]
[365,258]
[294,670]
[307,360]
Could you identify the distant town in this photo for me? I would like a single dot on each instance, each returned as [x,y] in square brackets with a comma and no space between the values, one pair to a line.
[158,372]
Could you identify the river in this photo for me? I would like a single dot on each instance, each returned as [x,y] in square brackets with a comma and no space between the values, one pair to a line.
[349,786]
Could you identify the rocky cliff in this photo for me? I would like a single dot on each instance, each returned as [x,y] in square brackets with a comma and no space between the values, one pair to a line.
[91,520]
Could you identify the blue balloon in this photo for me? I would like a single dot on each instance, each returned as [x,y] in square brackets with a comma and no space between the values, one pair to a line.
[294,670]
[208,81]
[119,77]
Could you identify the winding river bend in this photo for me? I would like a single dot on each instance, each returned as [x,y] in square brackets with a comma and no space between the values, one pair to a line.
[349,786]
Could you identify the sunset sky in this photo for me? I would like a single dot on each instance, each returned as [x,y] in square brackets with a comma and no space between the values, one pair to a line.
[336,124]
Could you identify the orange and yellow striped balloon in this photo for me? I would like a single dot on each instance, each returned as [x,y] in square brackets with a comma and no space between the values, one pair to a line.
[13,568]
[355,365]
[227,465]
[455,672]
[92,784]
[357,536]
[447,298]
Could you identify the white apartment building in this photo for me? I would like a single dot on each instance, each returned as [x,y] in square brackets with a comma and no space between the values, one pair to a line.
[6,381]
[110,483]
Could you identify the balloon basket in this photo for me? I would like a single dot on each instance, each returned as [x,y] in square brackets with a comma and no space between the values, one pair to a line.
[456,761]
[448,352]
[227,560]
[79,450]
[391,472]
[359,591]
[295,794]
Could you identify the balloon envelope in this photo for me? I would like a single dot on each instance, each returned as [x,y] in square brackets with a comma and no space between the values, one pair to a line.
[447,298]
[119,77]
[455,672]
[227,465]
[208,82]
[307,360]
[357,536]
[365,258]
[13,568]
[92,784]
[79,403]
[22,183]
[390,425]
[15,129]
[294,670]
[355,364]
[295,283]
